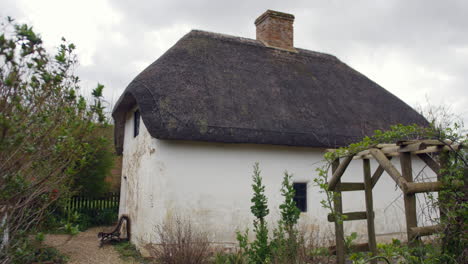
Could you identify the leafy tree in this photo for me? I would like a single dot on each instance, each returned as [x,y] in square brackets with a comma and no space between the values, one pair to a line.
[285,243]
[260,248]
[90,181]
[46,127]
[289,211]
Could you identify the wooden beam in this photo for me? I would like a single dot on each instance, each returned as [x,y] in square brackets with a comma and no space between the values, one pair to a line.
[385,150]
[377,174]
[422,187]
[390,149]
[430,162]
[412,147]
[425,141]
[388,155]
[339,172]
[426,230]
[349,186]
[409,199]
[394,151]
[351,216]
[338,206]
[369,208]
[389,168]
[361,154]
[386,145]
[454,147]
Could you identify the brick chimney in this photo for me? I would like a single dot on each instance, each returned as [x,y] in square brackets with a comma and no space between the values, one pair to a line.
[275,29]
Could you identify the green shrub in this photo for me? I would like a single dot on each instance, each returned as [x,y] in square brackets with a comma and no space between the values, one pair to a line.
[30,251]
[90,181]
[128,252]
[286,243]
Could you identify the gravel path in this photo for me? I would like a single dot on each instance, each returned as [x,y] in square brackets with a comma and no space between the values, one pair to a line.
[84,248]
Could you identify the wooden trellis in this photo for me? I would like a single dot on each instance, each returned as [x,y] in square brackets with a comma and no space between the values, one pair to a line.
[383,153]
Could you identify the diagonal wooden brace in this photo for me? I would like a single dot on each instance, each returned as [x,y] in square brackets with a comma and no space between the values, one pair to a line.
[389,168]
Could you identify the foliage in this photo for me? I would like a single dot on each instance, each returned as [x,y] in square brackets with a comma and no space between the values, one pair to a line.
[289,211]
[452,199]
[33,251]
[128,251]
[71,220]
[349,240]
[398,252]
[45,129]
[259,249]
[90,181]
[286,240]
[90,217]
[285,244]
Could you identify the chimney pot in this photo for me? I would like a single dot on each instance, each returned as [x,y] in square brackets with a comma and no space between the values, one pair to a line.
[275,29]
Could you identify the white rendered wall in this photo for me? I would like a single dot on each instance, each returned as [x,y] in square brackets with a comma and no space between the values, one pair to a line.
[211,183]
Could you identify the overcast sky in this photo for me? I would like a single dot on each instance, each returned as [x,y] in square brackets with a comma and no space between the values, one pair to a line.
[418,50]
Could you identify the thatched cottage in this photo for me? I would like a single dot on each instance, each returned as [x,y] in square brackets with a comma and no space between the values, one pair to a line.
[193,123]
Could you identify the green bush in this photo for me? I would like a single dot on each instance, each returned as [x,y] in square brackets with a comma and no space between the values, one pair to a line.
[90,181]
[286,243]
[85,219]
[30,251]
[128,251]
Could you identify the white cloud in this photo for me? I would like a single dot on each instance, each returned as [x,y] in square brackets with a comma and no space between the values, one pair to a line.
[80,22]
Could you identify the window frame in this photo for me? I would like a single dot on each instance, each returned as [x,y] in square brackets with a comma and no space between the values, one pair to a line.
[302,196]
[136,123]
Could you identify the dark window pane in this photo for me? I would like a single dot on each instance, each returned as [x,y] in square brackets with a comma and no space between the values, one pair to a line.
[301,196]
[136,123]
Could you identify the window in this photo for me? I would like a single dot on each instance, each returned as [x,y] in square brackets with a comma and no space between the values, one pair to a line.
[301,196]
[136,123]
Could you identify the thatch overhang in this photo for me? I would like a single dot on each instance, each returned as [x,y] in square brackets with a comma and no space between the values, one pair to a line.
[219,88]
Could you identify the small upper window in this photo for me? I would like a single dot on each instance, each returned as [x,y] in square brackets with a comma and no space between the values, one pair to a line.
[301,196]
[136,123]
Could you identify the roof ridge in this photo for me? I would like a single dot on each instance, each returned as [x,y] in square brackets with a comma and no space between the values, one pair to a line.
[253,42]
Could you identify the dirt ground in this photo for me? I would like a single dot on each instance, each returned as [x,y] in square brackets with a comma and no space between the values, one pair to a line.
[84,248]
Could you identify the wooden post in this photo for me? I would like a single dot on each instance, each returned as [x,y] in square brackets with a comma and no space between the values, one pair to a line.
[339,231]
[369,208]
[409,199]
[338,172]
[443,161]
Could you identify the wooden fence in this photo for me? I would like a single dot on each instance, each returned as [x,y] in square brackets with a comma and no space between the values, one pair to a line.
[83,203]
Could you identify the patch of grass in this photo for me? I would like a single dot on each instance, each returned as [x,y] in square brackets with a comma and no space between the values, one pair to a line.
[128,252]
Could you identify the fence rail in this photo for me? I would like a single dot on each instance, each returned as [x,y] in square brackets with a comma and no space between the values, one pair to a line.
[83,203]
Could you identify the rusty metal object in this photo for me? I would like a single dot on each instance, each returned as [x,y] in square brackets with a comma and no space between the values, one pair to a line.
[115,234]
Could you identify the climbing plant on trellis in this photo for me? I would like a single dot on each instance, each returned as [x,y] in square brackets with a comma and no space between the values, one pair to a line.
[431,152]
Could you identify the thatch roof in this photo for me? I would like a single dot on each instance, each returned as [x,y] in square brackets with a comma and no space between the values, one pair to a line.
[218,88]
